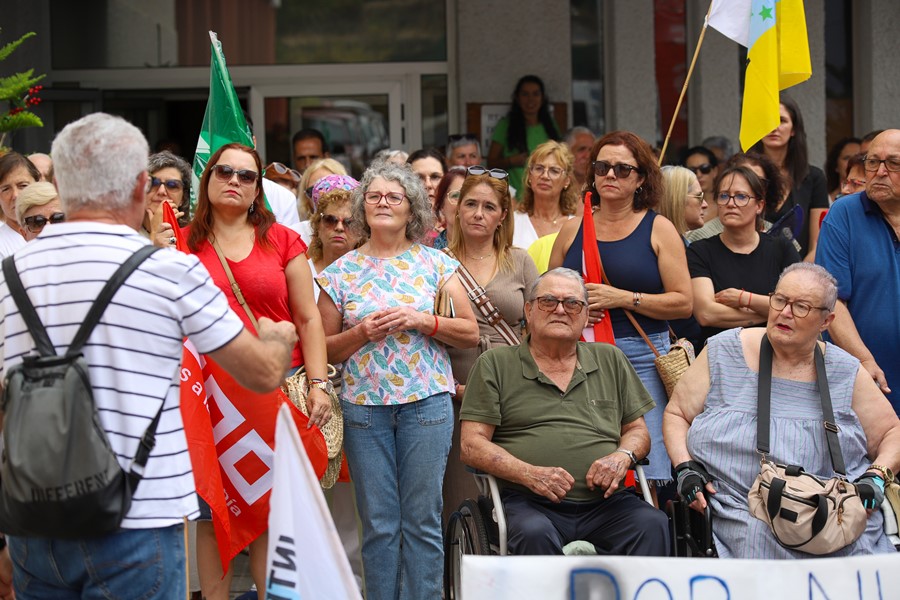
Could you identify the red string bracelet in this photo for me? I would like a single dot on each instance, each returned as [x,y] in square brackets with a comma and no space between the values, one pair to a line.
[434,331]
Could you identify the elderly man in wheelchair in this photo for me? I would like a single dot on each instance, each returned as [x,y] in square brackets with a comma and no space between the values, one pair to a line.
[559,423]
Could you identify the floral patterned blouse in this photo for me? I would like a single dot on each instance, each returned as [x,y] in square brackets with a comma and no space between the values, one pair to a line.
[407,365]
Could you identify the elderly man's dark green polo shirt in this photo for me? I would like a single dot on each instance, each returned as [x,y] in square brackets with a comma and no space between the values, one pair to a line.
[540,425]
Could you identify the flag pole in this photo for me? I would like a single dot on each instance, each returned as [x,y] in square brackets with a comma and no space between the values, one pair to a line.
[687,80]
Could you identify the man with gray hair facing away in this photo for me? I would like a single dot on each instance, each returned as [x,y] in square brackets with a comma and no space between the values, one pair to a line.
[134,361]
[559,422]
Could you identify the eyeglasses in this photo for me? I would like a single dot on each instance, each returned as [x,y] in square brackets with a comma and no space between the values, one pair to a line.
[495,173]
[552,172]
[891,164]
[621,170]
[332,221]
[171,184]
[453,197]
[798,308]
[705,168]
[699,197]
[282,169]
[225,173]
[739,199]
[35,223]
[572,306]
[458,137]
[392,198]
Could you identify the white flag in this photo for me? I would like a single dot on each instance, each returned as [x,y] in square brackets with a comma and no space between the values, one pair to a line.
[305,558]
[732,19]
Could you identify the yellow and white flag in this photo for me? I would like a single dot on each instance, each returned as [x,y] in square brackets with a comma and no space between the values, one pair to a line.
[305,557]
[774,33]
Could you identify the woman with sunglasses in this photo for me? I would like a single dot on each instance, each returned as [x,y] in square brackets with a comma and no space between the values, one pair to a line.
[643,262]
[37,206]
[16,174]
[233,226]
[377,305]
[683,201]
[733,273]
[549,198]
[311,176]
[332,235]
[284,176]
[481,240]
[170,178]
[446,199]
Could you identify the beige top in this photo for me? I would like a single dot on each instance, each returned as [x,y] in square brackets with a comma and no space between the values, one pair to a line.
[508,291]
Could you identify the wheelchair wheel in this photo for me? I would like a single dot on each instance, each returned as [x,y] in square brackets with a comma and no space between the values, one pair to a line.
[466,534]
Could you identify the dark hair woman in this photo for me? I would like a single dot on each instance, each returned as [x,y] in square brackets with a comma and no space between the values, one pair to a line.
[836,164]
[16,173]
[804,184]
[643,259]
[527,125]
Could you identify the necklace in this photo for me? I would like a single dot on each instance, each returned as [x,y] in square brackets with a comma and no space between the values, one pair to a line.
[548,220]
[478,257]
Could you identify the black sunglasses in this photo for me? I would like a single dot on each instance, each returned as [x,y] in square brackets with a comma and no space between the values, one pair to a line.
[35,223]
[705,168]
[621,170]
[332,221]
[225,173]
[171,184]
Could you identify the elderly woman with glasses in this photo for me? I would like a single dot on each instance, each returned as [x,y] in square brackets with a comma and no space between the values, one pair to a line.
[642,257]
[235,236]
[377,304]
[481,240]
[170,181]
[733,273]
[710,424]
[37,205]
[549,198]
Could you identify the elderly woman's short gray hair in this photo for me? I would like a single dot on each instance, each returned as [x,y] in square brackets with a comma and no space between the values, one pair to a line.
[824,280]
[164,160]
[558,272]
[419,204]
[36,194]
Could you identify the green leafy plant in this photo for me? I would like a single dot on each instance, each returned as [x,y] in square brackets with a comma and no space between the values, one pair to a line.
[19,91]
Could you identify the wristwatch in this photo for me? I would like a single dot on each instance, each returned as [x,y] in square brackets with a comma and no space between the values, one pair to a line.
[322,384]
[629,453]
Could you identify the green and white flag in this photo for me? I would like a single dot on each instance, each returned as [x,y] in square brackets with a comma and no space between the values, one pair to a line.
[223,122]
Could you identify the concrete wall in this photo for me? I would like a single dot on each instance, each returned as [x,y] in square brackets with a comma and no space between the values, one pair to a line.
[632,101]
[499,41]
[810,94]
[876,68]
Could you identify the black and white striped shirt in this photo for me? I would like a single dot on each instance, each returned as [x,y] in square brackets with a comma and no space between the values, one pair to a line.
[134,353]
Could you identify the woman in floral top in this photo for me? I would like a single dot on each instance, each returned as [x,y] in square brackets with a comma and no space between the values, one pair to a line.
[378,312]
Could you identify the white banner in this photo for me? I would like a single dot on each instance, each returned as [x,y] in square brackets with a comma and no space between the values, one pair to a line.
[305,556]
[635,578]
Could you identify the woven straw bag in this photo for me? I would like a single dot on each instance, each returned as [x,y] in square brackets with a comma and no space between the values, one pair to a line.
[296,387]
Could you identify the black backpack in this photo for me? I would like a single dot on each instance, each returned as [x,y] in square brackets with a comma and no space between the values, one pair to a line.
[59,477]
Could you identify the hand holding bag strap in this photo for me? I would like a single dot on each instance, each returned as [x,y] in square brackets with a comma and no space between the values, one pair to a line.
[235,288]
[482,301]
[764,404]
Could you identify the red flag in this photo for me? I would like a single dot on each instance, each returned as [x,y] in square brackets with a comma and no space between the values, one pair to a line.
[231,441]
[593,273]
[168,216]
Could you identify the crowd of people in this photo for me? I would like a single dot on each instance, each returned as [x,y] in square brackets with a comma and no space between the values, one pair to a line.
[449,290]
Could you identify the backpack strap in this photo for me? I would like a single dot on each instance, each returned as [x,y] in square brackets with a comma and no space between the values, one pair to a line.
[145,447]
[26,308]
[105,296]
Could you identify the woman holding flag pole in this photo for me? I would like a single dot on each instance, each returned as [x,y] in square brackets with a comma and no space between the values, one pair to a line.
[641,267]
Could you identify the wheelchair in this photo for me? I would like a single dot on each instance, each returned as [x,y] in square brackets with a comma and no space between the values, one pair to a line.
[691,532]
[478,527]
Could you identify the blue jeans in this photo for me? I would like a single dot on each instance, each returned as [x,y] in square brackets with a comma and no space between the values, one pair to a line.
[641,358]
[130,563]
[397,455]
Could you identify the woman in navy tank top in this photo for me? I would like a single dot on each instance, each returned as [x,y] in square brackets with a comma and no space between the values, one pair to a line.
[643,259]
